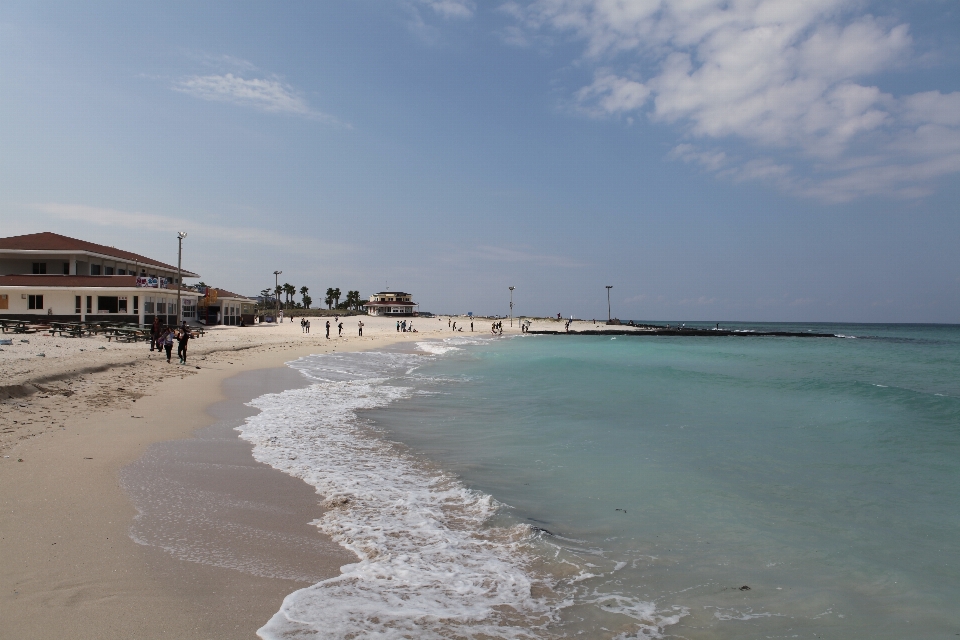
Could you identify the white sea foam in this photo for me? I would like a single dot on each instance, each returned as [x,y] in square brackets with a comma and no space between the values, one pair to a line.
[440,347]
[425,564]
[436,348]
[429,565]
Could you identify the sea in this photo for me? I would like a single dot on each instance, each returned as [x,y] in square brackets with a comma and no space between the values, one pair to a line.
[542,486]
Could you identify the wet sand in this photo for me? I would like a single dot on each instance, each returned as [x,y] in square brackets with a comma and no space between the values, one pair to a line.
[206,501]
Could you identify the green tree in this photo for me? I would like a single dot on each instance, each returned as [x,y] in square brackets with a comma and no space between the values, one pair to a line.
[329,299]
[353,300]
[289,290]
[305,296]
[336,296]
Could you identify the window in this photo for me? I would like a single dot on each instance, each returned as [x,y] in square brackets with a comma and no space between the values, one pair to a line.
[107,304]
[4,301]
[89,304]
[108,271]
[35,302]
[136,304]
[148,304]
[94,269]
[39,267]
[162,306]
[121,272]
[122,305]
[66,268]
[76,304]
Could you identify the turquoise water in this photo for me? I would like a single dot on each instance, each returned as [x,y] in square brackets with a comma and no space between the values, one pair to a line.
[824,474]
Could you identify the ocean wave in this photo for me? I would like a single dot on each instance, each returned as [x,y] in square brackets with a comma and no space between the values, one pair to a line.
[425,563]
[430,563]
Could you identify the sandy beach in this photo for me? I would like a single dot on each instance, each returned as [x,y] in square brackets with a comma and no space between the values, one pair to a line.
[76,419]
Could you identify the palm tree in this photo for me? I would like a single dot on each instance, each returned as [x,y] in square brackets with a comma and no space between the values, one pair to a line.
[336,296]
[305,295]
[277,291]
[289,290]
[353,300]
[329,299]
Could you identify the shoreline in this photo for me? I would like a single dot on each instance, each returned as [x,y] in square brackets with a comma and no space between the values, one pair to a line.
[73,569]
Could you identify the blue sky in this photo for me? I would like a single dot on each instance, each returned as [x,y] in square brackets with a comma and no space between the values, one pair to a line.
[746,159]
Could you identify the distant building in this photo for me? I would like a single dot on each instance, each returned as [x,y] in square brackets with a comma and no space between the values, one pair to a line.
[391,303]
[47,276]
[220,306]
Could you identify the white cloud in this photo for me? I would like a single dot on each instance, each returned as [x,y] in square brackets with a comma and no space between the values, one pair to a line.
[785,76]
[612,94]
[710,160]
[451,8]
[154,222]
[267,95]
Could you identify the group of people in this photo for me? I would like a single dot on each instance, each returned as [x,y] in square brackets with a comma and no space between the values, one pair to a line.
[402,327]
[497,327]
[162,338]
[305,326]
[453,325]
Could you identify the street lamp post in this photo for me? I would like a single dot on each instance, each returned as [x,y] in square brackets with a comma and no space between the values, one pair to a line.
[511,305]
[609,317]
[276,278]
[180,236]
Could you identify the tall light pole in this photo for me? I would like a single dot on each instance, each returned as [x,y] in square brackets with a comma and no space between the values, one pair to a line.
[511,305]
[276,278]
[609,318]
[180,236]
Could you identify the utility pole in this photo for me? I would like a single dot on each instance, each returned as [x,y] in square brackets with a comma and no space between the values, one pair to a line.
[276,278]
[609,317]
[180,236]
[511,305]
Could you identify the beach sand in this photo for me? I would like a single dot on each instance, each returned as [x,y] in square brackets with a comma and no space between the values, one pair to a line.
[75,426]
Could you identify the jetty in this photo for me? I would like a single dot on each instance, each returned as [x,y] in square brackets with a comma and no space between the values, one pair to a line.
[684,332]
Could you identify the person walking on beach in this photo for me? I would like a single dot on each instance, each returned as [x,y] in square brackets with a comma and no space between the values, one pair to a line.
[182,341]
[339,329]
[154,333]
[471,326]
[398,326]
[168,343]
[308,326]
[360,328]
[328,328]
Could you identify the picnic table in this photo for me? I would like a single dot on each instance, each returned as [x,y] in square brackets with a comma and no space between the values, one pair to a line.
[18,326]
[74,329]
[128,334]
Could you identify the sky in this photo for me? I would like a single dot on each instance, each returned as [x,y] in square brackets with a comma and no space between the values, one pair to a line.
[755,160]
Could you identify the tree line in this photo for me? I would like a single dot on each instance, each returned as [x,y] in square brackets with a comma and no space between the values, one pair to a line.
[332,299]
